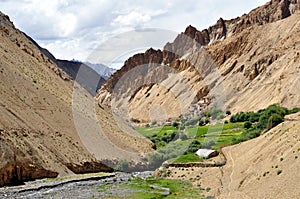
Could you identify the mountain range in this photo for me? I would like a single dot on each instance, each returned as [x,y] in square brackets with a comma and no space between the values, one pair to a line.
[232,64]
[51,109]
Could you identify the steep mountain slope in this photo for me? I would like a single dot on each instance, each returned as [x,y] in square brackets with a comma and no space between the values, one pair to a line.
[83,74]
[86,76]
[39,133]
[233,64]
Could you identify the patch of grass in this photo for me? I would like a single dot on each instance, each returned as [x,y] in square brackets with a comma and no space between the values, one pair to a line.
[187,158]
[202,130]
[150,131]
[178,189]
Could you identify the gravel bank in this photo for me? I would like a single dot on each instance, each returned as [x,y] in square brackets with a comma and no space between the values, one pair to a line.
[83,187]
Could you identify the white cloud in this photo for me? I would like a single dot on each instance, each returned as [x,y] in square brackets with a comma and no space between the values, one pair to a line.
[132,19]
[74,28]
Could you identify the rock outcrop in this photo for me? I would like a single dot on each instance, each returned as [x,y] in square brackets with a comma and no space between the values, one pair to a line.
[16,168]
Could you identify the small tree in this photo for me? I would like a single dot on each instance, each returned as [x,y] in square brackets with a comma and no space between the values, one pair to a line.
[207,121]
[247,125]
[193,147]
[208,144]
[153,122]
[228,112]
[175,124]
[155,159]
[183,136]
[122,165]
[135,120]
[201,122]
[274,120]
[220,116]
[182,127]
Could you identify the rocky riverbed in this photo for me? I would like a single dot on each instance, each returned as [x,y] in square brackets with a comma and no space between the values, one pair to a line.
[81,186]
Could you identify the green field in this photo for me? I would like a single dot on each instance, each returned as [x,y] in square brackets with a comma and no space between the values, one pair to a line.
[202,130]
[173,148]
[186,158]
[153,188]
[223,134]
[150,131]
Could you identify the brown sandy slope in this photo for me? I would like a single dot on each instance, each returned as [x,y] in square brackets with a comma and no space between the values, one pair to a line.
[247,163]
[37,128]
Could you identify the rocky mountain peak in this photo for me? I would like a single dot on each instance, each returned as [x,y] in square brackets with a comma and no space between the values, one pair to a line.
[190,31]
[5,19]
[189,43]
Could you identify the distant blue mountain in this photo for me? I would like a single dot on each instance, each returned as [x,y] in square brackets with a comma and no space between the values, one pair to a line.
[102,69]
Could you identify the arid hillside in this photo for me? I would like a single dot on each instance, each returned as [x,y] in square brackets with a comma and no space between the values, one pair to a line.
[44,131]
[264,167]
[242,64]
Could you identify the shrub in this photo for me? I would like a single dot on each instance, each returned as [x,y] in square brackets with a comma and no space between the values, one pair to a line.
[228,112]
[220,116]
[193,147]
[213,112]
[207,121]
[279,172]
[122,165]
[176,135]
[156,159]
[183,136]
[265,118]
[208,144]
[193,121]
[201,122]
[175,124]
[274,120]
[135,120]
[169,137]
[254,117]
[294,110]
[247,125]
[182,127]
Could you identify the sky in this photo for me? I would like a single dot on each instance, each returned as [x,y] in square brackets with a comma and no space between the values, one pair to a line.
[75,29]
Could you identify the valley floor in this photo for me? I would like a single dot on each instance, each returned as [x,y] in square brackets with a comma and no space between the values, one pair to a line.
[79,186]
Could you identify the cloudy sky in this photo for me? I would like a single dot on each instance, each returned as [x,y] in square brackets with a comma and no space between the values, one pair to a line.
[75,28]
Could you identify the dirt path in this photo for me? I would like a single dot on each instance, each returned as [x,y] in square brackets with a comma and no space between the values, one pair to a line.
[231,174]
